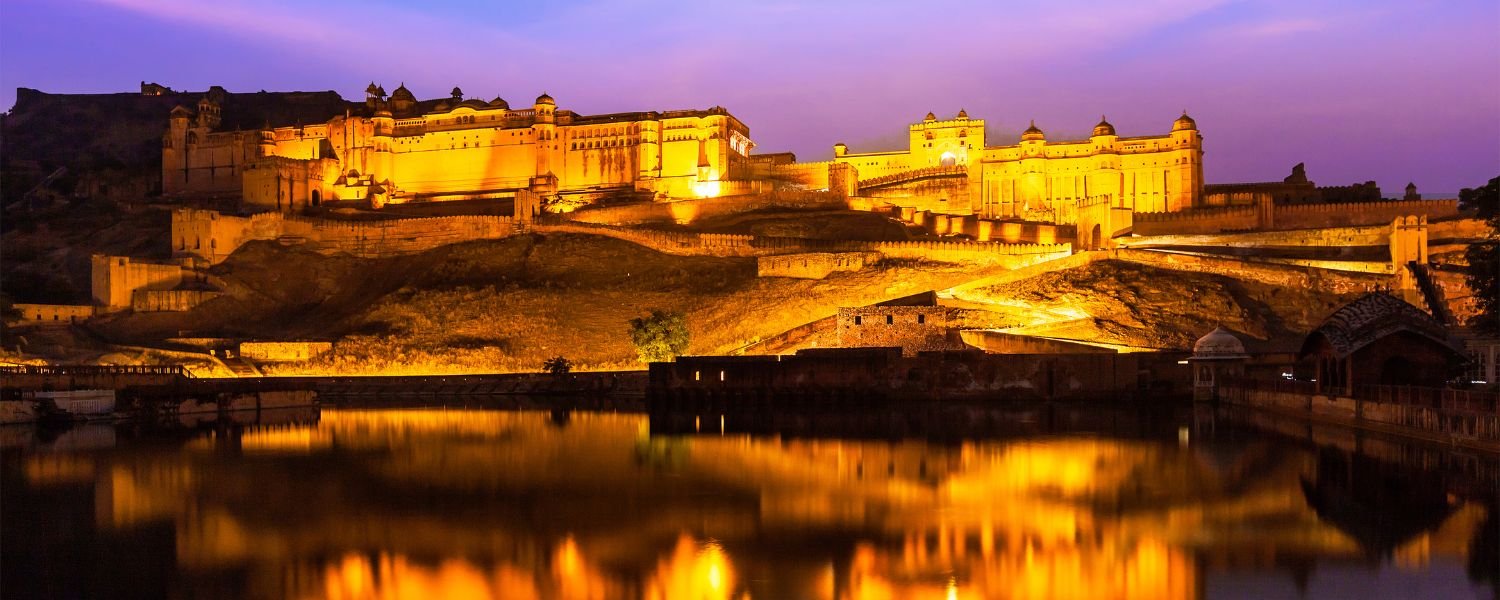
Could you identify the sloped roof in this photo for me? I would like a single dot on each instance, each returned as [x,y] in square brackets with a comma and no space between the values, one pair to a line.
[1371,317]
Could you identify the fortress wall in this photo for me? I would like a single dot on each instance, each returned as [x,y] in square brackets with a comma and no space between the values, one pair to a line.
[687,211]
[369,239]
[276,351]
[912,328]
[812,175]
[812,265]
[1197,221]
[1459,229]
[1346,214]
[115,278]
[1370,235]
[169,300]
[706,244]
[1341,282]
[55,313]
[948,195]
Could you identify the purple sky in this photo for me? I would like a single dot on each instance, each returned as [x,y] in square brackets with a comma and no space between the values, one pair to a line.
[1359,89]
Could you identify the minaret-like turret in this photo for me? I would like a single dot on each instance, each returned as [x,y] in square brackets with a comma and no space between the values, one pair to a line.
[544,126]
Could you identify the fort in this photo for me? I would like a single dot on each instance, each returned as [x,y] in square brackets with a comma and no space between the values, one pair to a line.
[393,176]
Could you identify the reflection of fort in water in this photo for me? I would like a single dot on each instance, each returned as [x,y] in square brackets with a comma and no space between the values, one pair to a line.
[459,503]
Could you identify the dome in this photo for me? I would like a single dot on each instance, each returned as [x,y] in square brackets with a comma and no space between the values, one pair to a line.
[1104,128]
[1219,343]
[545,99]
[930,117]
[962,114]
[1184,122]
[456,93]
[371,89]
[1032,133]
[402,93]
[499,102]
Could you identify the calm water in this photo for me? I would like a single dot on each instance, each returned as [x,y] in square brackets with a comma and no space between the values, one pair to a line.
[473,503]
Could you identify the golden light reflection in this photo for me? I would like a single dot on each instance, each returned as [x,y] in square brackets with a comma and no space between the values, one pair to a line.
[979,520]
[693,571]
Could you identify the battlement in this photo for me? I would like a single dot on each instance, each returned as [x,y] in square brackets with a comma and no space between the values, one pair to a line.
[965,122]
[212,236]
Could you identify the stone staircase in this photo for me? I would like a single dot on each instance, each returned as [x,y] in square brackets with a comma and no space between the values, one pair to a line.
[913,175]
[1432,293]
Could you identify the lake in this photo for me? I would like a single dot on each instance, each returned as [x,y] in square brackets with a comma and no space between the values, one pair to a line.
[478,502]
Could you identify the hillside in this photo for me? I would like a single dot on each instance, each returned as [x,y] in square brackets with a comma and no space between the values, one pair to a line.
[1128,304]
[509,304]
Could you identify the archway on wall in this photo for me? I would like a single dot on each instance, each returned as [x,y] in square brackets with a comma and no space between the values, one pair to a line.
[317,197]
[1096,238]
[948,159]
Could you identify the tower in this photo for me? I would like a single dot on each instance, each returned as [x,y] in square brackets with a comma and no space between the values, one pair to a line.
[544,134]
[1184,180]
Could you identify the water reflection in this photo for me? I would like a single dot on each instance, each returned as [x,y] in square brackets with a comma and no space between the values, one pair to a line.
[435,503]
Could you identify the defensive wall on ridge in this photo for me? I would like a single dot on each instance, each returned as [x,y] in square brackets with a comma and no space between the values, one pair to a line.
[812,265]
[212,236]
[984,230]
[1335,276]
[687,211]
[1263,216]
[722,244]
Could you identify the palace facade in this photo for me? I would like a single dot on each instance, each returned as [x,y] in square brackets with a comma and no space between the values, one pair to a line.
[1043,180]
[399,149]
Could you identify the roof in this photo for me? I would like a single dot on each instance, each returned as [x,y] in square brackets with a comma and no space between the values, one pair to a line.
[1372,317]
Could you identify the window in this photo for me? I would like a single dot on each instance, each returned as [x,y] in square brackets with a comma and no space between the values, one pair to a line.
[721,376]
[921,319]
[697,375]
[890,319]
[858,320]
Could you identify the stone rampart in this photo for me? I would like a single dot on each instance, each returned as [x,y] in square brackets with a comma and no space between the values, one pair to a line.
[61,314]
[1370,235]
[1283,275]
[718,244]
[812,265]
[213,236]
[169,300]
[283,351]
[114,279]
[1198,221]
[688,211]
[1346,214]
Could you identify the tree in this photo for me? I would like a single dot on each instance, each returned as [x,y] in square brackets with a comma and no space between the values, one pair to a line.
[1484,256]
[557,365]
[660,336]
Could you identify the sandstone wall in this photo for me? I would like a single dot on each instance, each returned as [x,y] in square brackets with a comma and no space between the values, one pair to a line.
[55,313]
[283,351]
[368,239]
[169,300]
[114,279]
[1369,235]
[812,265]
[1299,276]
[719,244]
[687,211]
[1198,221]
[912,328]
[1308,216]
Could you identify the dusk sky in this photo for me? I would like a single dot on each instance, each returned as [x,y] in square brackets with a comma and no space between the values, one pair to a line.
[1361,89]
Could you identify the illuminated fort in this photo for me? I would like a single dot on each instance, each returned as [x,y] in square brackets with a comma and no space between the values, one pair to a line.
[397,149]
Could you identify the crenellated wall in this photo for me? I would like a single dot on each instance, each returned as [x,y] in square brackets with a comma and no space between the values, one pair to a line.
[687,211]
[1198,221]
[706,244]
[812,265]
[213,236]
[1346,214]
[1266,216]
